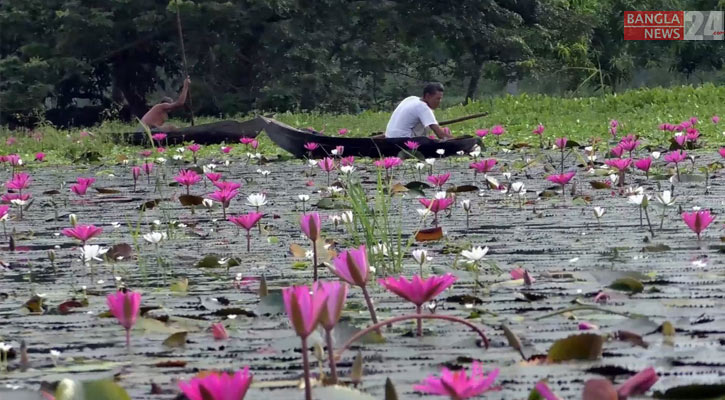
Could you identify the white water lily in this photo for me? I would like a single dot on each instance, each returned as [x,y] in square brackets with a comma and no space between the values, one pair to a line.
[599,212]
[665,198]
[257,199]
[460,152]
[475,254]
[335,219]
[208,168]
[347,169]
[421,256]
[475,153]
[18,202]
[160,160]
[334,189]
[440,195]
[466,204]
[380,248]
[440,152]
[303,197]
[518,187]
[424,212]
[419,166]
[208,203]
[656,155]
[93,252]
[155,237]
[5,347]
[177,157]
[639,199]
[430,161]
[333,152]
[312,163]
[347,217]
[180,150]
[507,175]
[263,172]
[630,191]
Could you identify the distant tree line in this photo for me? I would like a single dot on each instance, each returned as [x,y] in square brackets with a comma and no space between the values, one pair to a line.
[79,61]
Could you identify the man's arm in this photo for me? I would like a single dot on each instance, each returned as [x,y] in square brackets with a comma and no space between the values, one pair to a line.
[443,135]
[182,96]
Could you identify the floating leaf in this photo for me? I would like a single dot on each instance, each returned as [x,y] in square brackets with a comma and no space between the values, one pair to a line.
[599,185]
[188,200]
[177,339]
[398,188]
[120,251]
[68,306]
[51,192]
[149,205]
[587,346]
[106,190]
[431,234]
[225,312]
[627,284]
[209,261]
[599,389]
[170,364]
[35,305]
[356,372]
[464,299]
[297,251]
[656,248]
[462,189]
[104,389]
[180,286]
[390,392]
[417,185]
[693,392]
[668,329]
[633,338]
[329,203]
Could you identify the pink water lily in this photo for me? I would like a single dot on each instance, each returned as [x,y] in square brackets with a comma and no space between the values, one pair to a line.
[187,178]
[347,161]
[497,130]
[336,293]
[638,384]
[411,145]
[457,385]
[722,152]
[617,150]
[310,224]
[158,137]
[436,205]
[561,179]
[218,386]
[83,233]
[715,119]
[79,189]
[538,130]
[219,332]
[545,392]
[698,221]
[560,143]
[135,172]
[311,146]
[418,290]
[194,147]
[19,182]
[39,157]
[245,140]
[692,135]
[643,164]
[213,176]
[481,132]
[483,166]
[247,221]
[439,180]
[680,140]
[125,306]
[224,185]
[629,143]
[224,196]
[388,162]
[327,164]
[342,131]
[226,149]
[352,267]
[14,160]
[254,144]
[620,164]
[8,198]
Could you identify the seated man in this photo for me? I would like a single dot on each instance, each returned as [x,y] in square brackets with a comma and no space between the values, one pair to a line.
[413,115]
[156,117]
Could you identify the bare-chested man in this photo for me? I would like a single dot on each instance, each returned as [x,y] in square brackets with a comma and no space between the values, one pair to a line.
[156,117]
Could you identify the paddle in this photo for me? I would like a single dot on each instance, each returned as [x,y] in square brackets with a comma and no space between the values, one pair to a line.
[183,56]
[450,121]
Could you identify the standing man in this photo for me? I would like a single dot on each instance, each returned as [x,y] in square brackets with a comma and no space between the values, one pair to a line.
[156,117]
[414,114]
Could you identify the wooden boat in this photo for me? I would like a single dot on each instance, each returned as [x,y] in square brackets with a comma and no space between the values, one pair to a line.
[228,131]
[293,140]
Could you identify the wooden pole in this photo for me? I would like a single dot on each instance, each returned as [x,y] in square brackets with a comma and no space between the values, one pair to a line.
[461,119]
[183,56]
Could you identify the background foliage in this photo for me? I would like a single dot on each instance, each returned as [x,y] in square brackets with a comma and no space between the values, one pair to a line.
[81,61]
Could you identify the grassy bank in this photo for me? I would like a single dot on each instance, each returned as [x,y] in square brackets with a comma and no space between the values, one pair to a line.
[638,111]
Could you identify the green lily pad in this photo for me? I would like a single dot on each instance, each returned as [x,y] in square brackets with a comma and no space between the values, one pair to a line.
[587,346]
[692,392]
[627,285]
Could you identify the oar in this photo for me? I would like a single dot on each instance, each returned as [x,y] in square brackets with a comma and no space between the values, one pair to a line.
[461,119]
[183,56]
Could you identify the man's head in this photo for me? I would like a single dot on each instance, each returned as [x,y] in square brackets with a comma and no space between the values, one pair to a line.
[167,99]
[432,94]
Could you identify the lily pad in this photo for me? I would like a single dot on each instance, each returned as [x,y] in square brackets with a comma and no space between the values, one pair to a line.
[330,203]
[209,261]
[188,200]
[432,234]
[627,284]
[692,392]
[106,190]
[587,346]
[177,339]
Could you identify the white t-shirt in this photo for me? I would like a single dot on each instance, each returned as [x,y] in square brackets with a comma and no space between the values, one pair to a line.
[410,118]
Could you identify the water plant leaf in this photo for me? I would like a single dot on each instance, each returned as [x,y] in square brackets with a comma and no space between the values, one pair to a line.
[693,392]
[120,251]
[67,307]
[398,188]
[598,185]
[180,286]
[149,205]
[464,299]
[209,261]
[330,203]
[656,248]
[513,340]
[297,250]
[225,312]
[356,372]
[104,389]
[106,190]
[586,346]
[627,284]
[188,200]
[51,192]
[431,234]
[35,305]
[177,339]
[390,392]
[462,189]
[263,291]
[668,329]
[633,338]
[599,389]
[417,185]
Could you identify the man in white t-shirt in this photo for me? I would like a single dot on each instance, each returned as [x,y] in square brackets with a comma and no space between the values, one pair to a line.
[414,114]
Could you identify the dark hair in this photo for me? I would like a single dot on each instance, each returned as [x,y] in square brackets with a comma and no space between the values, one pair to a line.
[432,88]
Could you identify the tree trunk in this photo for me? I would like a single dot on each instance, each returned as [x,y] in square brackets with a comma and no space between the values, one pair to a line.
[473,83]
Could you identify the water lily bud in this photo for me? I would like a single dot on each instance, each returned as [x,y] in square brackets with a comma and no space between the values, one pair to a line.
[73,220]
[51,255]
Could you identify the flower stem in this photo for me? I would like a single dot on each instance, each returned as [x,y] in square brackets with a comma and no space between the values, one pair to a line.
[419,321]
[331,355]
[450,318]
[646,214]
[249,239]
[314,261]
[306,367]
[128,339]
[371,308]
